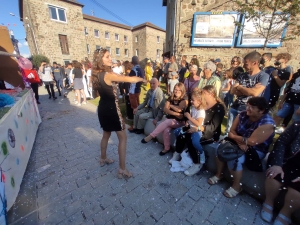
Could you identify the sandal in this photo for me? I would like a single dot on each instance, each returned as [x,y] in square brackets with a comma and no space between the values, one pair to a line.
[214,180]
[266,216]
[163,152]
[106,161]
[124,174]
[231,193]
[282,218]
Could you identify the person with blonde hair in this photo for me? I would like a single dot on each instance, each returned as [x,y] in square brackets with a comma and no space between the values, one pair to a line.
[109,113]
[174,108]
[148,73]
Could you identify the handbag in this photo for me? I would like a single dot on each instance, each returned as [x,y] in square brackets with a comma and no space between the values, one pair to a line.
[229,150]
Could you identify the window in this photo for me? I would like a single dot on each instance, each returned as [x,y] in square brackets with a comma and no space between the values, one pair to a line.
[96,33]
[137,52]
[116,37]
[98,47]
[125,38]
[88,48]
[106,35]
[63,41]
[58,14]
[86,31]
[126,52]
[117,51]
[136,38]
[108,49]
[158,39]
[157,53]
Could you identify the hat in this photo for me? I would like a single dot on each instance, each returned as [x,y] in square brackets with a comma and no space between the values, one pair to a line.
[135,60]
[114,61]
[173,73]
[148,61]
[217,60]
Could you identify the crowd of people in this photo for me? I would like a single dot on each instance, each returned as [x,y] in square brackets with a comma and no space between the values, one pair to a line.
[196,101]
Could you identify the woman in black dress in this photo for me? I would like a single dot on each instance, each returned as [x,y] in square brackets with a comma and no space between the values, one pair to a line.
[109,114]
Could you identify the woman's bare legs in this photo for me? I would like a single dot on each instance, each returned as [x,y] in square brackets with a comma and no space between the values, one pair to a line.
[103,147]
[83,95]
[78,96]
[122,154]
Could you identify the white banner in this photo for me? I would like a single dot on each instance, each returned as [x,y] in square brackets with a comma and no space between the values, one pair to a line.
[18,130]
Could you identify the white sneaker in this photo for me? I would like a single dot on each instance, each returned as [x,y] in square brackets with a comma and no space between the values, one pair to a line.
[176,157]
[84,103]
[202,158]
[279,130]
[193,169]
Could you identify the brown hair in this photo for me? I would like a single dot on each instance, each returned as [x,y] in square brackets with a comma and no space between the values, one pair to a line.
[286,56]
[127,66]
[98,66]
[183,91]
[229,73]
[212,90]
[198,94]
[220,65]
[238,59]
[76,64]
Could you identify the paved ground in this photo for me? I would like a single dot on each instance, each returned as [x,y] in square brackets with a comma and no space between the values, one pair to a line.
[64,183]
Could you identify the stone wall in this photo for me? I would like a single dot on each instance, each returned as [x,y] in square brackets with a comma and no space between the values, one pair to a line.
[152,45]
[185,12]
[140,44]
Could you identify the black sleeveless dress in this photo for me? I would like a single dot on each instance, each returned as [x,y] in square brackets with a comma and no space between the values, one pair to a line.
[109,113]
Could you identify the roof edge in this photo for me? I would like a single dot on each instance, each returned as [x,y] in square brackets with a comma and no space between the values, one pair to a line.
[147,24]
[99,20]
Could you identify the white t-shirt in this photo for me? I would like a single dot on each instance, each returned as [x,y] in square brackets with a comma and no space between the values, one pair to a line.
[224,84]
[196,114]
[172,84]
[117,70]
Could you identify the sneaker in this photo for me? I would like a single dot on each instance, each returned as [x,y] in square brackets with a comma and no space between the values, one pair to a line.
[176,157]
[202,158]
[193,169]
[84,103]
[279,130]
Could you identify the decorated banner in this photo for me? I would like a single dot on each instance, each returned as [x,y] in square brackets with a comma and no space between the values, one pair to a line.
[214,29]
[18,130]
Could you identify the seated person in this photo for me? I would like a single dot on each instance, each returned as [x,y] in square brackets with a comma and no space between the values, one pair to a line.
[150,108]
[174,108]
[253,128]
[194,119]
[284,172]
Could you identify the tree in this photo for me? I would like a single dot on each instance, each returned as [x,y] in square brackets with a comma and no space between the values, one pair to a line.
[38,59]
[271,17]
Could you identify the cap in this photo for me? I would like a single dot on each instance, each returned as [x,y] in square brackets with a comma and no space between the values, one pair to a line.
[217,60]
[114,61]
[148,61]
[135,60]
[173,73]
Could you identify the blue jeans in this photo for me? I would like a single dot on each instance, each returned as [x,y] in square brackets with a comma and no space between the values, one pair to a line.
[195,139]
[59,83]
[287,108]
[228,99]
[231,116]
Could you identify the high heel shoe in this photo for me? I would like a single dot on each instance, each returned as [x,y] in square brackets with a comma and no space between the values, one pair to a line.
[106,161]
[124,174]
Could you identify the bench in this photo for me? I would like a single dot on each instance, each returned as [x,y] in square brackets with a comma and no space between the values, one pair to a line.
[253,182]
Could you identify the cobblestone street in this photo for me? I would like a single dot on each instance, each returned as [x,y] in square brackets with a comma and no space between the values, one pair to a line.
[64,183]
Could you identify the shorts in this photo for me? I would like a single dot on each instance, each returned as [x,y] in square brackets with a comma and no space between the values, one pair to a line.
[287,109]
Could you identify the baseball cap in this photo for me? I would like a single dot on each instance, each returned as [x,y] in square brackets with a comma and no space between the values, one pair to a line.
[217,60]
[134,60]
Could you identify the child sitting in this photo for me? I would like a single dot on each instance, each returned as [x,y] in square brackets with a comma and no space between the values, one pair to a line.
[194,119]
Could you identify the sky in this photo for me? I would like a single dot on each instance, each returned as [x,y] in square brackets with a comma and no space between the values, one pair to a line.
[133,11]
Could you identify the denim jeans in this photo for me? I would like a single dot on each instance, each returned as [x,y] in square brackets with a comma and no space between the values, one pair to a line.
[195,137]
[59,83]
[231,116]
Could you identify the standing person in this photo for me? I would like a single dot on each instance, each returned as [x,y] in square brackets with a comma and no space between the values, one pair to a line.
[70,75]
[58,73]
[158,73]
[192,81]
[45,74]
[172,68]
[184,58]
[88,68]
[67,72]
[166,70]
[35,85]
[208,79]
[129,111]
[249,84]
[182,70]
[109,114]
[85,80]
[225,88]
[135,88]
[148,73]
[78,84]
[194,61]
[218,72]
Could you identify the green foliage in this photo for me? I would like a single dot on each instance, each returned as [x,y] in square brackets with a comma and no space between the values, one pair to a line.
[272,17]
[38,59]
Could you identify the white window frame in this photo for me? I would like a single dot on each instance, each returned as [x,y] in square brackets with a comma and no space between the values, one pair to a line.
[109,49]
[158,39]
[99,47]
[125,37]
[117,37]
[85,30]
[106,32]
[57,7]
[136,52]
[126,52]
[117,51]
[98,33]
[136,39]
[157,53]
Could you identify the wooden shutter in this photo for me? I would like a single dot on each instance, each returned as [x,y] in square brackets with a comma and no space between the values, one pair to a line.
[63,40]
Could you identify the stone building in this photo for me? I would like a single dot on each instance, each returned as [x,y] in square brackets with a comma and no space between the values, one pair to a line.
[179,25]
[59,30]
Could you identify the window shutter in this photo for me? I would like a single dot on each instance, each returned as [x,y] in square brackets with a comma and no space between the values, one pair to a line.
[63,40]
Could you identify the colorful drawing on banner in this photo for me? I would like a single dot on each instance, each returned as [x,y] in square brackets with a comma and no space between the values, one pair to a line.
[11,138]
[22,148]
[12,181]
[4,148]
[16,123]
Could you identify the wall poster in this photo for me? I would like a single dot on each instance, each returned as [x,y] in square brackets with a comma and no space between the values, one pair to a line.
[214,29]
